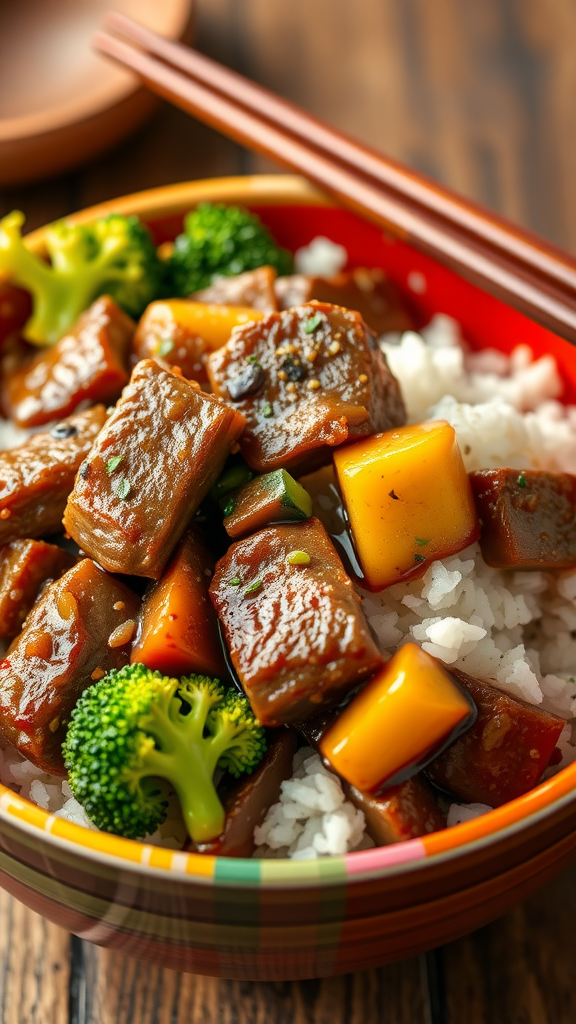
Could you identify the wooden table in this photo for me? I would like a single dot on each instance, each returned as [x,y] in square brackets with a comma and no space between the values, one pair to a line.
[480,95]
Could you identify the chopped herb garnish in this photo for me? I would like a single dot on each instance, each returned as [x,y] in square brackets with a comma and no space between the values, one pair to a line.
[229,507]
[253,359]
[298,558]
[419,558]
[311,324]
[122,488]
[521,481]
[235,582]
[267,410]
[253,587]
[113,464]
[422,541]
[165,346]
[391,494]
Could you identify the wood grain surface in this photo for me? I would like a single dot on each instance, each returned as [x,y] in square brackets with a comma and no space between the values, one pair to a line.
[479,95]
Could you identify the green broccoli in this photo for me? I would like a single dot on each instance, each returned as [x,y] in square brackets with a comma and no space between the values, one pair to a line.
[114,255]
[136,730]
[223,240]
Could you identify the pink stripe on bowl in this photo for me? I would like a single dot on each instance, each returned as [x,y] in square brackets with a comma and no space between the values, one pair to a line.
[385,857]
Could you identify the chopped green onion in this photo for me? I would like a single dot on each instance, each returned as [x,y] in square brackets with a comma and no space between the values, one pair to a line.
[113,464]
[253,587]
[253,359]
[422,541]
[311,324]
[419,558]
[122,488]
[165,346]
[298,558]
[267,410]
[229,507]
[234,582]
[521,481]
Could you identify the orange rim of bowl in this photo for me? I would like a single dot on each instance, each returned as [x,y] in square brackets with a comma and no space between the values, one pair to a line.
[540,802]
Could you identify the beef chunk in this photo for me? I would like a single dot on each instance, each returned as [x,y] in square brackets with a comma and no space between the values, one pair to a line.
[295,631]
[253,288]
[306,379]
[88,364]
[36,479]
[528,518]
[157,457]
[400,812]
[178,628]
[25,565]
[247,802]
[273,498]
[67,644]
[164,335]
[367,291]
[503,754]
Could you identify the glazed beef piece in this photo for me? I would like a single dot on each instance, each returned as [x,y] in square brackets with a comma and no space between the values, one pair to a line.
[400,812]
[294,628]
[528,518]
[178,628]
[503,754]
[247,802]
[306,379]
[157,457]
[79,629]
[163,335]
[367,291]
[25,565]
[253,288]
[36,479]
[88,364]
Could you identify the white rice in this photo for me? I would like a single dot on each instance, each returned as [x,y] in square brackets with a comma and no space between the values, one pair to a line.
[321,258]
[516,629]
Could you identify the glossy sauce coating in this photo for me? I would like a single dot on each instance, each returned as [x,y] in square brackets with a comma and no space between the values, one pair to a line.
[402,812]
[528,518]
[272,498]
[88,364]
[25,565]
[247,802]
[307,379]
[504,753]
[156,459]
[62,649]
[367,291]
[253,288]
[296,633]
[36,479]
[178,628]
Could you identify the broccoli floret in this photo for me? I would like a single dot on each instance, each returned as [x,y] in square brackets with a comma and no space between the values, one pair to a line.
[137,730]
[113,255]
[222,240]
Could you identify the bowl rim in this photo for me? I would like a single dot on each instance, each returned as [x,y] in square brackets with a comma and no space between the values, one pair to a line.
[553,795]
[102,95]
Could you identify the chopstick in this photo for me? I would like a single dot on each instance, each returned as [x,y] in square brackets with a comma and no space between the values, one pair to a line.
[542,296]
[368,163]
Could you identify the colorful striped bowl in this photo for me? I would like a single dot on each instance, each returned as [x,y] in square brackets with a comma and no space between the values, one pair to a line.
[285,919]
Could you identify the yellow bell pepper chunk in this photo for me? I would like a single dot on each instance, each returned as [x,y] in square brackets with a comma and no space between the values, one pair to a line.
[409,500]
[214,324]
[402,714]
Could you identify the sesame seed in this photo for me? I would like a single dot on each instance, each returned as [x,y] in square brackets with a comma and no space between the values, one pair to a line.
[291,387]
[282,375]
[310,354]
[292,398]
[313,384]
[5,513]
[362,378]
[333,348]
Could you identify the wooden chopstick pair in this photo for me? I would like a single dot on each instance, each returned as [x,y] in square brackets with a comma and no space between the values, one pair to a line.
[526,272]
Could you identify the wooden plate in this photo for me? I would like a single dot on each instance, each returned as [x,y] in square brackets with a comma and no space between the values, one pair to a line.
[60,103]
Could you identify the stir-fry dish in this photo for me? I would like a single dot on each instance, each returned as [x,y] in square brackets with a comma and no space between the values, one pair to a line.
[279,576]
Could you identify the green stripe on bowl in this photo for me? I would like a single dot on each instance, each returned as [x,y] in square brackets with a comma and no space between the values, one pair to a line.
[237,871]
[302,872]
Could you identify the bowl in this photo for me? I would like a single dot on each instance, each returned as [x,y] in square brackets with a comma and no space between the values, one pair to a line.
[281,919]
[60,102]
